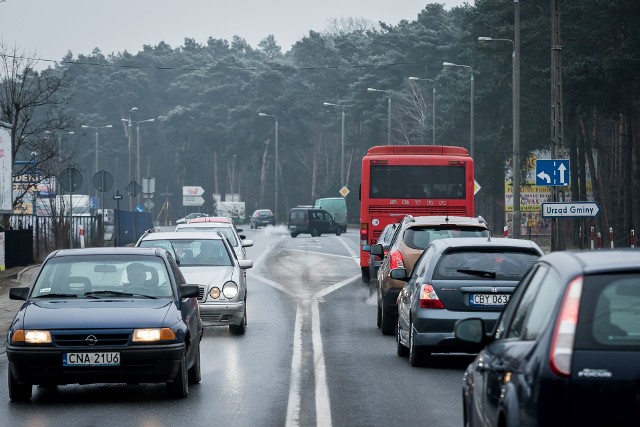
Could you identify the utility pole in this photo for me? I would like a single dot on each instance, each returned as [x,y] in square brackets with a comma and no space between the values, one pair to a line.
[557,140]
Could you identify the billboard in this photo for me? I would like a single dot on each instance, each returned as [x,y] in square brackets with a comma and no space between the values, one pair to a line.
[6,162]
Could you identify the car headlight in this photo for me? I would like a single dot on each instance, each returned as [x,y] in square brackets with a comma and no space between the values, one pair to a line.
[214,293]
[153,334]
[31,336]
[230,290]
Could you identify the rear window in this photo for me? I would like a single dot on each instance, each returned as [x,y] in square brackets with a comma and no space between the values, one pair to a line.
[194,252]
[609,312]
[264,213]
[420,237]
[297,215]
[472,264]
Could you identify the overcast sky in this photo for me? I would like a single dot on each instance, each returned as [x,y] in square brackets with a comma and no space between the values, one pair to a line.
[50,28]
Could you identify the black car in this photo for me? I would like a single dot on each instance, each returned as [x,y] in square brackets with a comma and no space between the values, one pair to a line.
[311,220]
[457,278]
[565,351]
[262,217]
[105,315]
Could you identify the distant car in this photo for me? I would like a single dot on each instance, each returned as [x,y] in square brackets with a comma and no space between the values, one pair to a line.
[455,279]
[207,259]
[565,350]
[237,241]
[189,217]
[88,319]
[409,240]
[262,217]
[385,240]
[311,220]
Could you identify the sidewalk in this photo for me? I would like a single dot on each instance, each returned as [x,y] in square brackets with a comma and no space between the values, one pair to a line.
[8,308]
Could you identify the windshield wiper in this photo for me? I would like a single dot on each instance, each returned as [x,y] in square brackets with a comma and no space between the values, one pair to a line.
[479,273]
[117,293]
[57,296]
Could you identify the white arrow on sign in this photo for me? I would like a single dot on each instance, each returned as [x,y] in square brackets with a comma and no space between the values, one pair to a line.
[562,169]
[192,191]
[192,201]
[543,175]
[575,209]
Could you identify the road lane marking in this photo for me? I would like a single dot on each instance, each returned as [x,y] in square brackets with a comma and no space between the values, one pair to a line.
[323,404]
[273,284]
[326,291]
[293,405]
[354,256]
[267,250]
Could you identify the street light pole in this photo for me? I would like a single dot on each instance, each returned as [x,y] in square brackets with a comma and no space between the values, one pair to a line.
[515,103]
[472,125]
[433,107]
[275,208]
[341,142]
[388,93]
[138,178]
[97,150]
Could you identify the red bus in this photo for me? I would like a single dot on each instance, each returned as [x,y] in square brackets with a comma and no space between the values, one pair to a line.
[419,180]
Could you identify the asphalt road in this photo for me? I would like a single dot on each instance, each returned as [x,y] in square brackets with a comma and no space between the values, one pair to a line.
[312,355]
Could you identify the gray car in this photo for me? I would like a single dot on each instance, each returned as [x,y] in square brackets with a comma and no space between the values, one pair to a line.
[207,259]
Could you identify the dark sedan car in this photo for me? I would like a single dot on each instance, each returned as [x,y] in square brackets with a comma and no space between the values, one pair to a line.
[261,218]
[105,315]
[454,279]
[565,351]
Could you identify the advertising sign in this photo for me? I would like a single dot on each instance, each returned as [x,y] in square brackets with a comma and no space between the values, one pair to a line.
[6,160]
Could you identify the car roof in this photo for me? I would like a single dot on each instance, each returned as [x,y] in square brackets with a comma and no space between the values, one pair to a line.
[212,219]
[484,242]
[187,235]
[590,262]
[124,250]
[444,220]
[211,224]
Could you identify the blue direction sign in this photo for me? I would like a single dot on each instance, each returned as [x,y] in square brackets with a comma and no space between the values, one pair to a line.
[570,209]
[554,172]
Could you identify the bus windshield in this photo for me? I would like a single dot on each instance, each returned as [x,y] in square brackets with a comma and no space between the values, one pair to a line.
[417,182]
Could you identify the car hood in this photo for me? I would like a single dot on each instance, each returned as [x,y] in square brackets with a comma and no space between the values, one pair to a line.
[93,313]
[208,276]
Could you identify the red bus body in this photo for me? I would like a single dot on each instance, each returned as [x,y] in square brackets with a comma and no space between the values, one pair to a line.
[419,180]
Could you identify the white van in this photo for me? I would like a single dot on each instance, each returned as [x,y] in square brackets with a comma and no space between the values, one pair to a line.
[337,207]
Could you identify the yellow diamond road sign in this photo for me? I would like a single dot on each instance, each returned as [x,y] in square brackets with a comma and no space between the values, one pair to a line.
[344,191]
[476,187]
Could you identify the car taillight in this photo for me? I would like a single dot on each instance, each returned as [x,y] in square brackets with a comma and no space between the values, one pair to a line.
[395,260]
[385,252]
[364,231]
[564,336]
[429,298]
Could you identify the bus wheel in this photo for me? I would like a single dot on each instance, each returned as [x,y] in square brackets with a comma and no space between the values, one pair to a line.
[365,274]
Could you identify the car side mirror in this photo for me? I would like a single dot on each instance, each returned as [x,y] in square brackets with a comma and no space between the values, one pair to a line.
[242,236]
[377,250]
[245,263]
[240,230]
[19,293]
[188,291]
[247,243]
[470,330]
[399,274]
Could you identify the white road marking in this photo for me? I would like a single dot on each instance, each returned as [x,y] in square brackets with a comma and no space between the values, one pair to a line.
[273,284]
[293,405]
[354,256]
[328,290]
[323,404]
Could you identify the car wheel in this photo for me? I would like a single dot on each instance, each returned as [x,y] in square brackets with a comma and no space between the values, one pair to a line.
[388,323]
[195,374]
[18,392]
[294,235]
[338,231]
[365,275]
[401,350]
[242,327]
[417,355]
[252,226]
[179,387]
[314,232]
[379,317]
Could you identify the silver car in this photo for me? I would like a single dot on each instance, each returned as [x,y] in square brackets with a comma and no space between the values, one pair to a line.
[237,241]
[208,259]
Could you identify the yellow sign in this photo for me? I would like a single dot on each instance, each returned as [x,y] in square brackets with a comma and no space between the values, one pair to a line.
[476,187]
[344,191]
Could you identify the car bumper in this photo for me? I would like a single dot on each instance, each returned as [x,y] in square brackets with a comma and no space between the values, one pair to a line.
[258,222]
[433,328]
[222,313]
[142,364]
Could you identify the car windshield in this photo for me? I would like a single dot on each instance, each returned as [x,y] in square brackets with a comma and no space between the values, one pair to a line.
[226,231]
[102,276]
[420,237]
[194,252]
[474,264]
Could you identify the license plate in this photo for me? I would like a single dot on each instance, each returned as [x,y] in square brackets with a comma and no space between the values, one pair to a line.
[293,226]
[488,299]
[91,359]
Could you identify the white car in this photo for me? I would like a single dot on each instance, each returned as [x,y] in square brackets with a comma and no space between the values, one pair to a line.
[189,217]
[237,241]
[209,260]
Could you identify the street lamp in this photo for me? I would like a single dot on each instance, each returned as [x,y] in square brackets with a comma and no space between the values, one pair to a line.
[97,149]
[138,179]
[472,130]
[329,104]
[388,93]
[132,110]
[515,105]
[275,205]
[433,107]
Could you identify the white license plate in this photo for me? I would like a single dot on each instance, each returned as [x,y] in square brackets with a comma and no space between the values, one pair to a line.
[91,359]
[488,299]
[293,226]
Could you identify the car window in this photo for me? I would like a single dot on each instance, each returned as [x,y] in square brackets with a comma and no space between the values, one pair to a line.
[507,312]
[609,312]
[420,237]
[468,263]
[534,309]
[225,230]
[195,252]
[423,261]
